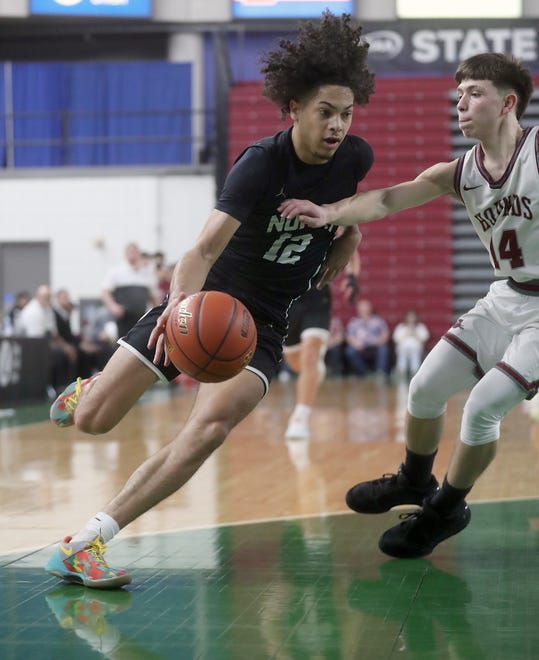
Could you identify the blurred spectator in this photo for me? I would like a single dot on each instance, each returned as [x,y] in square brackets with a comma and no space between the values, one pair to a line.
[62,308]
[164,274]
[130,288]
[91,354]
[367,337]
[21,300]
[37,319]
[344,290]
[409,337]
[99,334]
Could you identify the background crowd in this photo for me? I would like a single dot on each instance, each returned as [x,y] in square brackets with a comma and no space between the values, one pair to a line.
[82,334]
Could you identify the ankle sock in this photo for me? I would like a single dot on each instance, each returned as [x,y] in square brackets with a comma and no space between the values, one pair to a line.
[301,411]
[101,524]
[448,498]
[418,467]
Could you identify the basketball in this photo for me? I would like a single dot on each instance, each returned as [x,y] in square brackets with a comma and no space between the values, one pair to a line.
[210,336]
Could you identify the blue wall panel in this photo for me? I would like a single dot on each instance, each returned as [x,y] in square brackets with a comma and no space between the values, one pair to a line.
[88,114]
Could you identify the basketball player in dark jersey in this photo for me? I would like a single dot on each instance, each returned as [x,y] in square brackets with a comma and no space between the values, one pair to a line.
[249,251]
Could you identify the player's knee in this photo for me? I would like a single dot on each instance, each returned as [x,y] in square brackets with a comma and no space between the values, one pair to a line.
[425,401]
[92,423]
[292,360]
[211,434]
[480,421]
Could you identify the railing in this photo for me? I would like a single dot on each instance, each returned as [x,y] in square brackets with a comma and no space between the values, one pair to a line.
[176,137]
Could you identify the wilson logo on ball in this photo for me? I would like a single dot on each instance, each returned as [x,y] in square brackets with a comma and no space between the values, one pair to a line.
[183,317]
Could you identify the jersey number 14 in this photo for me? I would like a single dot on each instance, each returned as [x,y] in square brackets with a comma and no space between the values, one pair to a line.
[508,248]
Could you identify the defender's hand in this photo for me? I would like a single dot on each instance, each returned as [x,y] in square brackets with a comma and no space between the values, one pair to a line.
[307,212]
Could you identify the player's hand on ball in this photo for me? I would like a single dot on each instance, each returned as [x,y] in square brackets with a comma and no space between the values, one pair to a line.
[157,337]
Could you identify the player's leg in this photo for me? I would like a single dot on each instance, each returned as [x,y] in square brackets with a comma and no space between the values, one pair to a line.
[444,372]
[445,513]
[107,398]
[309,363]
[217,409]
[292,342]
[98,403]
[502,329]
[292,356]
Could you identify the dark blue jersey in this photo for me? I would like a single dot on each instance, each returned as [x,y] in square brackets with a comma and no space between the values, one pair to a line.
[271,261]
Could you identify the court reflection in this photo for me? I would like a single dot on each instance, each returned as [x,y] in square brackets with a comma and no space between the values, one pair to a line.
[90,617]
[307,587]
[428,601]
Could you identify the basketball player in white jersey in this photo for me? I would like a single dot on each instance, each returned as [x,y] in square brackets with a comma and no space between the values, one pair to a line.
[493,350]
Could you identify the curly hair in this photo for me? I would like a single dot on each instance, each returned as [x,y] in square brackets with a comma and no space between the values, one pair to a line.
[331,53]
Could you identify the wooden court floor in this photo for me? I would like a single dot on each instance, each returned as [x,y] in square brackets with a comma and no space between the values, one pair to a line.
[258,556]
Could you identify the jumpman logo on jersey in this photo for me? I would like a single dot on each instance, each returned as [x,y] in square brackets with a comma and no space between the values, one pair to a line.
[281,193]
[458,324]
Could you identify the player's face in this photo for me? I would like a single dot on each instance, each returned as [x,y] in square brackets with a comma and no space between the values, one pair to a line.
[480,108]
[321,122]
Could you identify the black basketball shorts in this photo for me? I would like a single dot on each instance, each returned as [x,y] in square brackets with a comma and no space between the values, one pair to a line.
[264,363]
[310,311]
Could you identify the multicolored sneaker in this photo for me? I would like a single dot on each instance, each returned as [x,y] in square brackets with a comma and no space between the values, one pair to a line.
[84,563]
[63,409]
[86,614]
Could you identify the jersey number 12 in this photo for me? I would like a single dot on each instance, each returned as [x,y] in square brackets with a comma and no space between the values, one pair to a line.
[285,249]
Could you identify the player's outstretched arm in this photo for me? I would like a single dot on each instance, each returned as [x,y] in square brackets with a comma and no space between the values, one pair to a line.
[375,204]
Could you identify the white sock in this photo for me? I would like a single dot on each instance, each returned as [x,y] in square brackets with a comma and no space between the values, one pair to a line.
[101,524]
[302,411]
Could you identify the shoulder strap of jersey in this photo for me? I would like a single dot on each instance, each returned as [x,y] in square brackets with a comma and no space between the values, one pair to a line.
[458,175]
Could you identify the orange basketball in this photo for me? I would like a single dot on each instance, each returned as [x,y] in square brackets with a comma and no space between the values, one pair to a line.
[210,336]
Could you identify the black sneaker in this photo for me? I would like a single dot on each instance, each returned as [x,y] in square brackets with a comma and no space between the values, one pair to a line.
[421,531]
[380,495]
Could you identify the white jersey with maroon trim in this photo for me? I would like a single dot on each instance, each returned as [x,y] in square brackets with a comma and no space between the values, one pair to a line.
[505,213]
